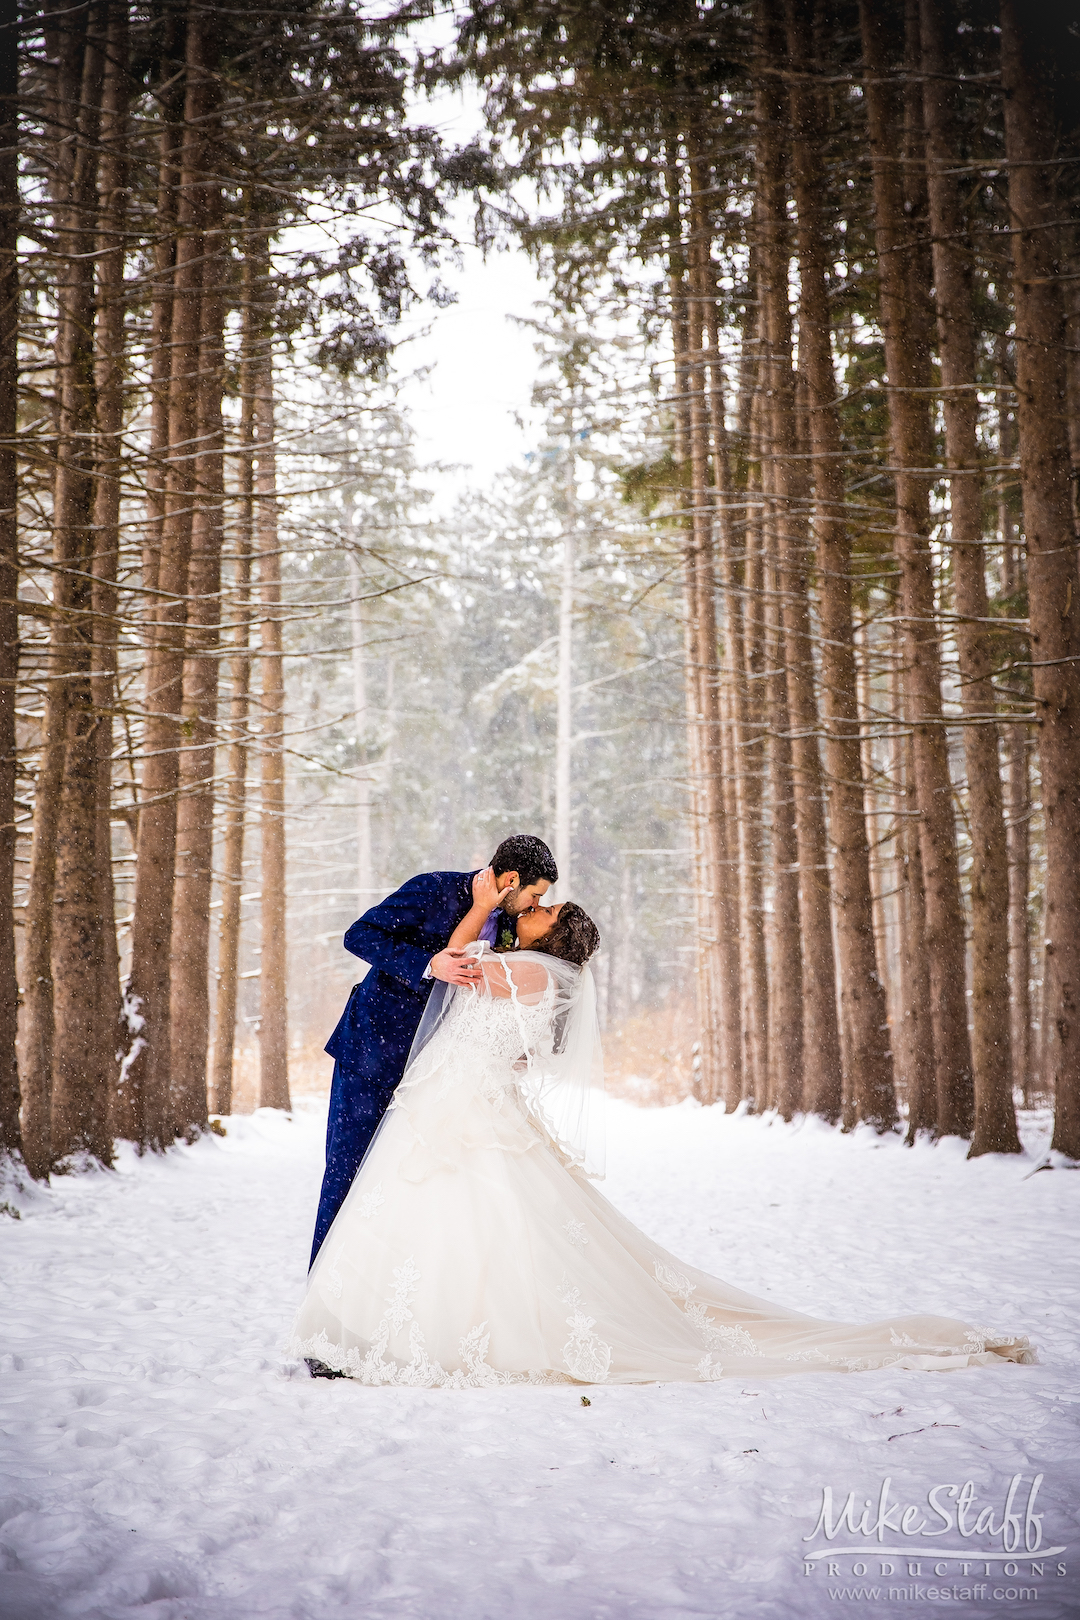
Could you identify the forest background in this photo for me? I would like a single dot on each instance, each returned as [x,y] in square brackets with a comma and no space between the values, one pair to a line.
[773,635]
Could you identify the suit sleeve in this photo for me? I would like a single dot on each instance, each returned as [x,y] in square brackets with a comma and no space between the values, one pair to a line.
[377,936]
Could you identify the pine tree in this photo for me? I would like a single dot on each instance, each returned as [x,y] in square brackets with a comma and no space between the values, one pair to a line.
[1035,53]
[904,284]
[10,1132]
[994,1118]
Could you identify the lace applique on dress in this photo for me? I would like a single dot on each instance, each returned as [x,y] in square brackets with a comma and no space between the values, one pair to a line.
[575,1231]
[371,1201]
[716,1335]
[407,1279]
[420,1371]
[721,1337]
[866,1363]
[587,1357]
[334,1282]
[374,1368]
[482,1041]
[709,1370]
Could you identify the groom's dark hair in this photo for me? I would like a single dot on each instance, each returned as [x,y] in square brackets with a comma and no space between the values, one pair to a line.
[529,857]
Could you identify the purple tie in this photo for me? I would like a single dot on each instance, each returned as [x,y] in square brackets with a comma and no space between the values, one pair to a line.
[490,928]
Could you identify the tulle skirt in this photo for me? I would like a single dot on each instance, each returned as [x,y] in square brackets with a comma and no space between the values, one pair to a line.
[468,1254]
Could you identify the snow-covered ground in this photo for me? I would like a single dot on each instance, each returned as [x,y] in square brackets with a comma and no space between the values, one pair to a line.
[160,1459]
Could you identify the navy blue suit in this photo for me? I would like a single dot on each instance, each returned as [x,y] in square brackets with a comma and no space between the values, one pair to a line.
[371,1043]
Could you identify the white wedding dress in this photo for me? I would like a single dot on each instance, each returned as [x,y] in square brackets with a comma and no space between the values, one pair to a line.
[472,1249]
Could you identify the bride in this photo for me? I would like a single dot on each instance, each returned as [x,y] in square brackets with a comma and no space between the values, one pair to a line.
[473,1250]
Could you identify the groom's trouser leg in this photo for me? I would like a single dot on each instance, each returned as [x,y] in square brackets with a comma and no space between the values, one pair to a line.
[354,1114]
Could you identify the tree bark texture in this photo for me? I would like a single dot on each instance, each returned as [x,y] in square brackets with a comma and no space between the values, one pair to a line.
[273,1013]
[236,752]
[189,1016]
[995,1117]
[779,442]
[1019,836]
[721,912]
[724,803]
[692,685]
[66,49]
[753,745]
[916,1028]
[863,1007]
[147,1066]
[1027,63]
[699,644]
[10,1131]
[903,282]
[113,179]
[822,1062]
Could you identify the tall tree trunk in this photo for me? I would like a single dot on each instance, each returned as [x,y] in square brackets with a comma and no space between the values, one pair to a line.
[66,50]
[1013,577]
[754,747]
[365,881]
[564,677]
[687,453]
[171,95]
[1027,59]
[904,321]
[822,1062]
[1071,291]
[720,912]
[779,433]
[236,753]
[872,780]
[79,1096]
[692,685]
[785,954]
[39,1027]
[735,543]
[916,1029]
[995,1119]
[148,991]
[723,800]
[111,296]
[864,1012]
[10,1133]
[189,1016]
[1019,925]
[129,1112]
[273,1014]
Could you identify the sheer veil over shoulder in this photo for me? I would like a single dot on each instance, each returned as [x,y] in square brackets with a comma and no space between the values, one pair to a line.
[473,1249]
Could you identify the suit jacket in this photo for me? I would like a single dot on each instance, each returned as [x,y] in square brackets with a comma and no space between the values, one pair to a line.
[398,937]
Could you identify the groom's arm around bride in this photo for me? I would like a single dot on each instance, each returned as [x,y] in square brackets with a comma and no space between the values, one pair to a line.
[404,940]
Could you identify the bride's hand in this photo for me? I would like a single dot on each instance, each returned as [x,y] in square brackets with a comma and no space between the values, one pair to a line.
[486,893]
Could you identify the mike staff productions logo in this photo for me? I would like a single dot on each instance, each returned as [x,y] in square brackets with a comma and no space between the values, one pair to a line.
[964,1546]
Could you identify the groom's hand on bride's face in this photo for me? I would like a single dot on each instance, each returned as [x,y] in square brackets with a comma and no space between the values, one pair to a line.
[454,967]
[485,890]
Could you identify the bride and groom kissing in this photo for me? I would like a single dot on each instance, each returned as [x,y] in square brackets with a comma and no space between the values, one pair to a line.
[460,1241]
[405,940]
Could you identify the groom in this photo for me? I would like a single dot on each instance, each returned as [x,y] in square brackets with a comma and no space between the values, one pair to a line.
[404,938]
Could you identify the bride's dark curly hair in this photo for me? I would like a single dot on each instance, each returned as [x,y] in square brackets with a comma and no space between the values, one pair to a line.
[573,936]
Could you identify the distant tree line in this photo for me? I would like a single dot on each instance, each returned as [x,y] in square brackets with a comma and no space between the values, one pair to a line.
[849,231]
[155,157]
[859,224]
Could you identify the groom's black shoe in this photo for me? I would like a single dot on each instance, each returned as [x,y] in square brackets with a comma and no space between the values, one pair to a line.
[319,1369]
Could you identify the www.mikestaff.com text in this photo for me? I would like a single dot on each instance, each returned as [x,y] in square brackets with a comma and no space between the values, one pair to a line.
[979,1593]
